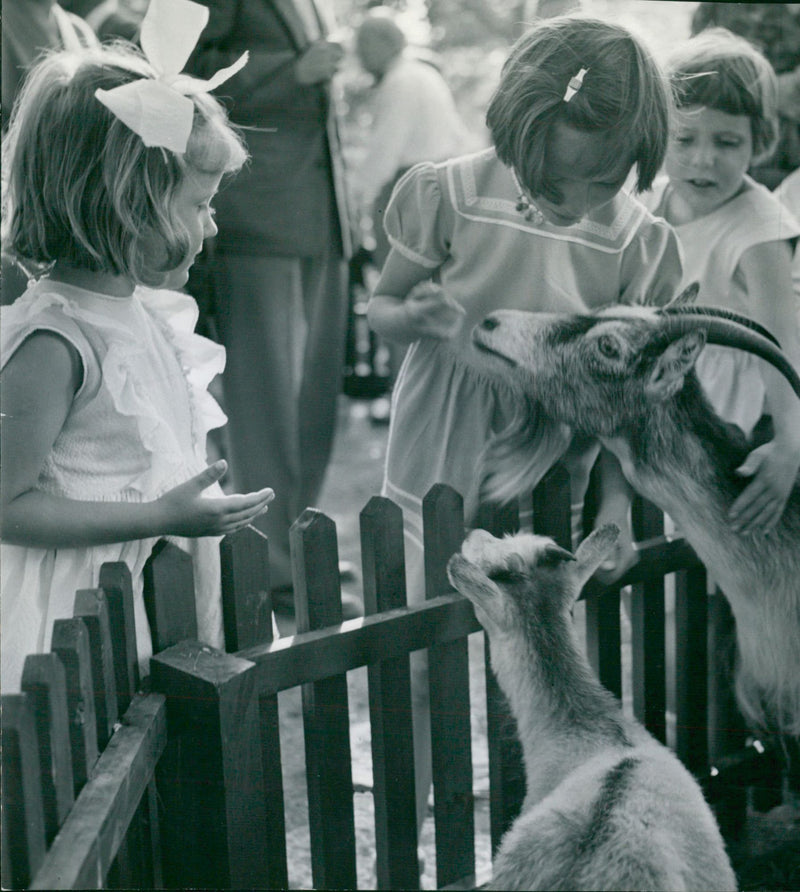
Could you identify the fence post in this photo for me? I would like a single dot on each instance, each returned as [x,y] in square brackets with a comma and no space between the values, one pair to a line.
[210,778]
[448,668]
[390,703]
[44,684]
[506,767]
[326,720]
[23,836]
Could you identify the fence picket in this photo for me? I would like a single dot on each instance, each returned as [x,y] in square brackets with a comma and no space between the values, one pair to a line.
[169,596]
[326,721]
[648,645]
[23,839]
[44,683]
[691,668]
[70,643]
[91,606]
[390,703]
[506,767]
[115,580]
[244,558]
[247,613]
[448,668]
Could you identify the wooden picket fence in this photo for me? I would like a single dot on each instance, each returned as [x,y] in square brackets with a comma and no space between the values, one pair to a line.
[179,785]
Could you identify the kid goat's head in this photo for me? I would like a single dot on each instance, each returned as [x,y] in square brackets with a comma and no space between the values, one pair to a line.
[525,580]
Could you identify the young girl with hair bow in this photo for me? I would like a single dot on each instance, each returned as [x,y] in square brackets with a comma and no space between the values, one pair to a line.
[111,162]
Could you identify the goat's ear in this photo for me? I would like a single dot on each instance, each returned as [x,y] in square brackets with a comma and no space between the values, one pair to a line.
[553,555]
[667,376]
[687,296]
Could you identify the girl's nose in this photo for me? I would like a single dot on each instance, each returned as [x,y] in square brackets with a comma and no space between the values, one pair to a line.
[703,154]
[210,229]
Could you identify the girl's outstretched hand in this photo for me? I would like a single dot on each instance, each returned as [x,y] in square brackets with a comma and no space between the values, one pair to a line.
[759,508]
[432,313]
[186,512]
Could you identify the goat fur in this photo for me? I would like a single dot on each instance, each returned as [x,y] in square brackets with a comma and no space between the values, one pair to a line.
[607,806]
[621,377]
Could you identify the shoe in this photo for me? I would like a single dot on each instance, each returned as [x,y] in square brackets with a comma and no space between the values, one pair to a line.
[283,603]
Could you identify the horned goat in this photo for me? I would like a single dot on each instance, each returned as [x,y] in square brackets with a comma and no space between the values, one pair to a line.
[606,805]
[626,376]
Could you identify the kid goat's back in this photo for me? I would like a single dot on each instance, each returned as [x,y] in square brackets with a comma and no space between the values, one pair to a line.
[607,806]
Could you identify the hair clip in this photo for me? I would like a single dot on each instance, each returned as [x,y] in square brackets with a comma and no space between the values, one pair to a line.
[575,83]
[159,109]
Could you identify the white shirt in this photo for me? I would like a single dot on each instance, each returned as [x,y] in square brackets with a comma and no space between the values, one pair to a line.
[414,118]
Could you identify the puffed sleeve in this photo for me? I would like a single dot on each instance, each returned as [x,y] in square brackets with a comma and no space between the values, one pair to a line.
[652,267]
[418,219]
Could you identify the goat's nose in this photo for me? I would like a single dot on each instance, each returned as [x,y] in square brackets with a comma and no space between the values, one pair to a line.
[490,323]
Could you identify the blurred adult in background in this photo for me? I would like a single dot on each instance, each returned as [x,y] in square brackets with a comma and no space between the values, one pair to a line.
[774,29]
[414,116]
[278,271]
[29,28]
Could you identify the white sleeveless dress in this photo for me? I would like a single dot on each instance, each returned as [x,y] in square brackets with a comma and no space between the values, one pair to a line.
[137,428]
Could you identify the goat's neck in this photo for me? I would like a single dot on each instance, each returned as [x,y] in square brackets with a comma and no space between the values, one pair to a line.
[679,455]
[560,707]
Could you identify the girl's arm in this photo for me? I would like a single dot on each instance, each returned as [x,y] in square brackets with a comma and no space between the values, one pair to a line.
[38,384]
[774,466]
[402,313]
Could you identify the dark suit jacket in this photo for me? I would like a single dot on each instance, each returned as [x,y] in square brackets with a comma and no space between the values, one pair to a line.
[285,201]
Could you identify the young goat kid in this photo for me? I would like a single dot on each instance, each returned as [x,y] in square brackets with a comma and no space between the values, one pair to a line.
[607,806]
[627,377]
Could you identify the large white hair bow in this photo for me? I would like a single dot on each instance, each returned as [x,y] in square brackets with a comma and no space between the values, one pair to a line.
[158,109]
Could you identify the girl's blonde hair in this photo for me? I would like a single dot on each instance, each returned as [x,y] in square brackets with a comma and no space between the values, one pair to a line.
[624,97]
[80,187]
[717,69]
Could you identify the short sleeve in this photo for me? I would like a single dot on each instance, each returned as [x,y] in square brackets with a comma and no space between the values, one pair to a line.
[652,267]
[418,219]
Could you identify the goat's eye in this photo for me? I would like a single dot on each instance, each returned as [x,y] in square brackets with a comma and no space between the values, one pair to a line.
[608,346]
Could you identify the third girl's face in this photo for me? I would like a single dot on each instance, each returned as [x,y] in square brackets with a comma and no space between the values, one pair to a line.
[192,206]
[576,168]
[708,155]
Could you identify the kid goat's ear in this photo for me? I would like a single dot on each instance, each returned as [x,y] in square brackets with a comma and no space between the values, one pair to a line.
[675,362]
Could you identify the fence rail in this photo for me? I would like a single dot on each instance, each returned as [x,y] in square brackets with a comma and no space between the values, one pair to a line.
[181,785]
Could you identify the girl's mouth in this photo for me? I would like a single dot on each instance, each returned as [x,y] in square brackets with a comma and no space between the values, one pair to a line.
[699,183]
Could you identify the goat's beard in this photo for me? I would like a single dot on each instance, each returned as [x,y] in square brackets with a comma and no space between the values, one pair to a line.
[516,458]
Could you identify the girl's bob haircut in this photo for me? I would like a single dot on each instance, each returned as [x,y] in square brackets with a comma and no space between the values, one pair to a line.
[717,69]
[81,188]
[624,97]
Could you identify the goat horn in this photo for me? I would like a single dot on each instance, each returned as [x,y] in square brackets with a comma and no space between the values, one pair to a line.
[729,333]
[699,310]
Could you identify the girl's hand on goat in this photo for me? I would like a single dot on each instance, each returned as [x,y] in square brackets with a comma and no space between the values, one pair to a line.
[431,313]
[760,506]
[184,511]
